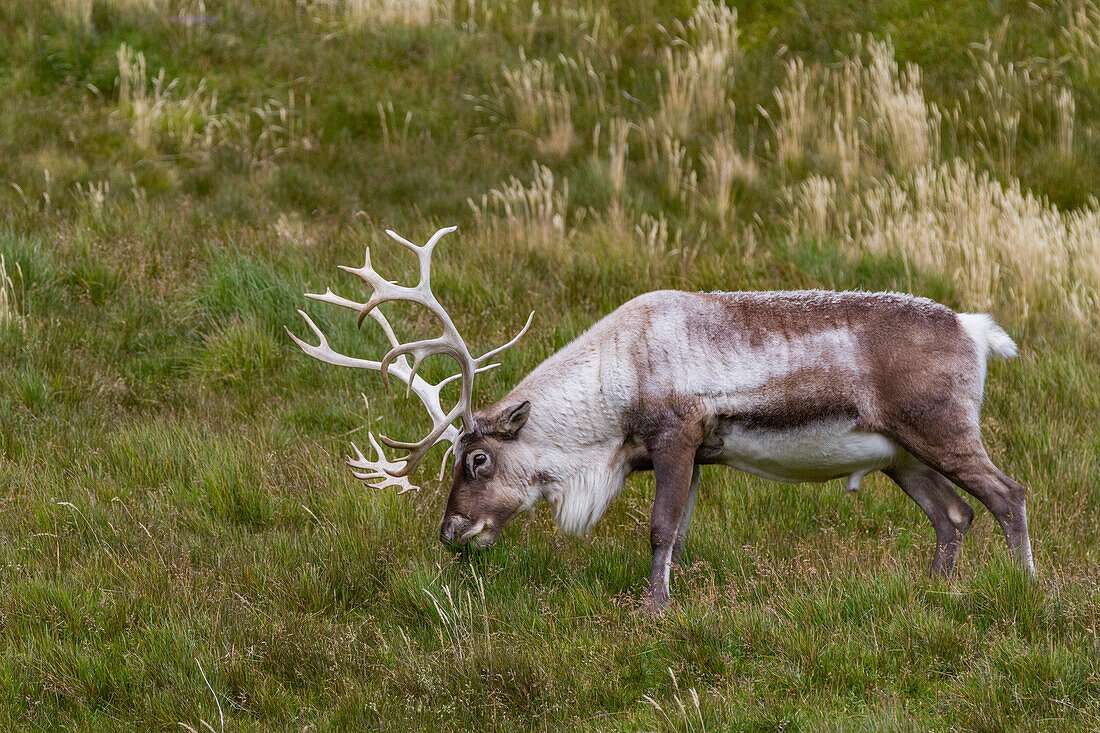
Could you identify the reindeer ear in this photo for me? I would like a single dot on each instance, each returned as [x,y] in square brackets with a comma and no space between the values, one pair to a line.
[511,420]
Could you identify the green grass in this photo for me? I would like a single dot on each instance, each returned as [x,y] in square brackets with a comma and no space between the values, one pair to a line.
[173,499]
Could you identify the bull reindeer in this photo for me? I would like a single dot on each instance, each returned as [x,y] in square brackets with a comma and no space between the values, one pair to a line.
[791,386]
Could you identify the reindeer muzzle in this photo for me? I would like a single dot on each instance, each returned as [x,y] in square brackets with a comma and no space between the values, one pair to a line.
[460,533]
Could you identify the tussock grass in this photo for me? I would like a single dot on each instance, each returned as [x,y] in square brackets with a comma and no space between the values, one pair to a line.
[179,538]
[536,213]
[155,107]
[9,313]
[696,68]
[540,104]
[1001,243]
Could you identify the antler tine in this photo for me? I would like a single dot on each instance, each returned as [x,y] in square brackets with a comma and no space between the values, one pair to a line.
[490,354]
[447,380]
[382,470]
[449,343]
[439,427]
[428,246]
[420,350]
[330,297]
[428,393]
[417,450]
[326,353]
[378,470]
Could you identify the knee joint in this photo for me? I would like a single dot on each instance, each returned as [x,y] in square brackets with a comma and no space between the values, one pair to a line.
[961,515]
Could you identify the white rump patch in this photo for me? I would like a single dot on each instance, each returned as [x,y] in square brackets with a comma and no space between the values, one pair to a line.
[991,339]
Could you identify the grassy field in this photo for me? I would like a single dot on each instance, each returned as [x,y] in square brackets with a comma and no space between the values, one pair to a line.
[181,547]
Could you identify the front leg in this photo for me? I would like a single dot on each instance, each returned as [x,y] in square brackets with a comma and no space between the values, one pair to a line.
[674,466]
[685,518]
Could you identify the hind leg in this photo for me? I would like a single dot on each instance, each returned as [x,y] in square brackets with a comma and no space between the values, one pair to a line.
[1005,498]
[949,514]
[953,447]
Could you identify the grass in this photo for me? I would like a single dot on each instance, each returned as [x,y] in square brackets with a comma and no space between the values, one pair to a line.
[181,547]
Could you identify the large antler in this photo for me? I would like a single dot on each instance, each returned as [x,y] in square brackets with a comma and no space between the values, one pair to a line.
[382,470]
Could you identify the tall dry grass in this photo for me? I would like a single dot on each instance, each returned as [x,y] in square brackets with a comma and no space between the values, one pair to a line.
[724,167]
[858,147]
[997,241]
[537,213]
[879,182]
[155,106]
[161,114]
[1080,32]
[540,104]
[9,310]
[856,117]
[697,66]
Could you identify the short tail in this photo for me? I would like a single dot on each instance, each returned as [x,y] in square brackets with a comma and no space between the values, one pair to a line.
[990,338]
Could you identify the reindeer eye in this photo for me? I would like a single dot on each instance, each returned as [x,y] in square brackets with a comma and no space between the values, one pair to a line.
[477,463]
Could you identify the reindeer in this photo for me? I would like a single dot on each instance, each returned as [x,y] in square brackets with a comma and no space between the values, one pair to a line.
[792,386]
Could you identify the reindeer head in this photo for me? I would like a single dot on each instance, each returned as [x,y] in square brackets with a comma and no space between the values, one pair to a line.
[491,479]
[487,488]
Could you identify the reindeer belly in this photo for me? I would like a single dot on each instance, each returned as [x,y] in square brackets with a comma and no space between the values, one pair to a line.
[817,451]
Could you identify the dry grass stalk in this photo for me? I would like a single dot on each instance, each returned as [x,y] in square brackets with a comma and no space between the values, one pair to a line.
[588,85]
[904,121]
[191,123]
[460,616]
[144,106]
[679,175]
[656,237]
[666,153]
[677,84]
[1081,35]
[712,28]
[9,310]
[618,149]
[477,15]
[536,213]
[685,716]
[1004,93]
[814,209]
[155,107]
[1065,108]
[797,112]
[596,23]
[291,229]
[841,146]
[394,137]
[697,66]
[541,105]
[272,130]
[844,114]
[94,193]
[723,167]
